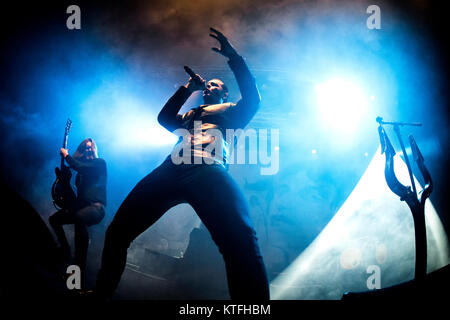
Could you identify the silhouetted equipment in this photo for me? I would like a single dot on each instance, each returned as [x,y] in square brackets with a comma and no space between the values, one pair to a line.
[29,262]
[422,282]
[415,203]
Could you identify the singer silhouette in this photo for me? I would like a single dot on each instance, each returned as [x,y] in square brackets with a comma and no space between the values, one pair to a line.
[208,188]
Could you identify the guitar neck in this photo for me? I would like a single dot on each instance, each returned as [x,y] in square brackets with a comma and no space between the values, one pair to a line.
[66,136]
[62,163]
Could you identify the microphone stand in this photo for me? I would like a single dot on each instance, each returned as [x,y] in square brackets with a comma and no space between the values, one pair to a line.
[415,203]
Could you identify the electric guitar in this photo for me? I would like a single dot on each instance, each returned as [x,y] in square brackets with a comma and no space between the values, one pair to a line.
[62,192]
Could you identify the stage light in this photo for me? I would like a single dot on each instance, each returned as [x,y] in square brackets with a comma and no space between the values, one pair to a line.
[341,105]
[141,130]
[124,121]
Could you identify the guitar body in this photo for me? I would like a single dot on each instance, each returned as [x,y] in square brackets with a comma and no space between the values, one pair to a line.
[62,192]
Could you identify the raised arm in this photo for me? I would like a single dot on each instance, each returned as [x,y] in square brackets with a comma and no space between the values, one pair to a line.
[249,104]
[84,166]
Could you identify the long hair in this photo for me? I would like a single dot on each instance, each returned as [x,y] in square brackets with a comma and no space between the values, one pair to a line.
[80,152]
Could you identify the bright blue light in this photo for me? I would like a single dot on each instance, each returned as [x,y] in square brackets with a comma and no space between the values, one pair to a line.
[341,105]
[124,120]
[141,130]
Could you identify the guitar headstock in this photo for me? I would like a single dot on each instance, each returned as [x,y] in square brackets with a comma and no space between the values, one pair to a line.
[68,126]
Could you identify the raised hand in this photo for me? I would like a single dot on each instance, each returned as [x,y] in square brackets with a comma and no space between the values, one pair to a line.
[64,152]
[226,49]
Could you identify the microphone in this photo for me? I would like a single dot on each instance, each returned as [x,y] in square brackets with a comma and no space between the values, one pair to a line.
[192,74]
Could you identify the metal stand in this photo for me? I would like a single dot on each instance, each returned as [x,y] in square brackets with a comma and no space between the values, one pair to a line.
[415,203]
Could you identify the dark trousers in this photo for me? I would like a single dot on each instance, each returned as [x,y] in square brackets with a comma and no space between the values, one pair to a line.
[82,218]
[219,203]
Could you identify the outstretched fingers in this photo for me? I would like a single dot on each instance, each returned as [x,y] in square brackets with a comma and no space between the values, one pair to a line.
[214,36]
[219,34]
[219,37]
[225,47]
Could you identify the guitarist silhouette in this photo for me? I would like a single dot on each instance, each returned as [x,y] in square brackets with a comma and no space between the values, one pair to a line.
[88,207]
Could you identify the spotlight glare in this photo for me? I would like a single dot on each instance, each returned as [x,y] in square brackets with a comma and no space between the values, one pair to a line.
[142,131]
[341,104]
[126,121]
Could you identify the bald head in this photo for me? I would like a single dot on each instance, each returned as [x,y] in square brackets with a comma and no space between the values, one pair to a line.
[215,92]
